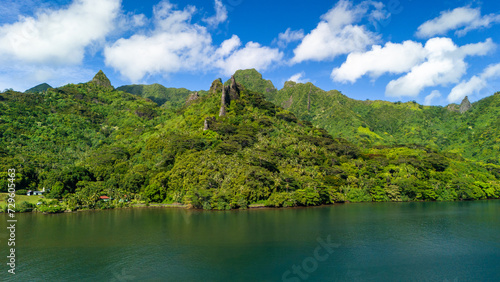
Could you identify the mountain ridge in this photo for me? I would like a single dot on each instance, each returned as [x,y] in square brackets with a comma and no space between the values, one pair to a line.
[86,140]
[384,123]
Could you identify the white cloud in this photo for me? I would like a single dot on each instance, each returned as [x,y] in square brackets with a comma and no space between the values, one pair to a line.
[228,46]
[491,71]
[289,36]
[298,78]
[428,99]
[253,55]
[392,58]
[220,15]
[130,20]
[336,34]
[173,45]
[58,37]
[444,64]
[176,45]
[474,84]
[439,62]
[464,19]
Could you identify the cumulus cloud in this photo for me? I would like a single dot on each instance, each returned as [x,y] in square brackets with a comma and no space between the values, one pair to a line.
[336,33]
[444,64]
[253,55]
[173,45]
[392,58]
[220,15]
[463,20]
[474,84]
[428,99]
[289,36]
[176,44]
[298,78]
[439,62]
[58,37]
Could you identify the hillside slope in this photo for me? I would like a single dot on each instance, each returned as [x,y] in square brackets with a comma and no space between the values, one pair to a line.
[169,98]
[39,88]
[82,141]
[474,133]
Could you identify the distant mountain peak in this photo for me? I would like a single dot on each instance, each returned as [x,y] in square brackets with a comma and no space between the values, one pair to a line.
[252,80]
[465,105]
[101,79]
[39,88]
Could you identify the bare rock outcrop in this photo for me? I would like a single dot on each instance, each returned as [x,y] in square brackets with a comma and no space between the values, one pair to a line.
[208,123]
[465,105]
[229,93]
[192,98]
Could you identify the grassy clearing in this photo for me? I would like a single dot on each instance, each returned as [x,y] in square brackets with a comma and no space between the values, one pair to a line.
[20,199]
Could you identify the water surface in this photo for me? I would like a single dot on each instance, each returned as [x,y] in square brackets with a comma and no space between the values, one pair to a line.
[456,241]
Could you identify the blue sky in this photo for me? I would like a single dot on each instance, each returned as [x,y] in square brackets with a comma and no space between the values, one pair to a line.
[434,52]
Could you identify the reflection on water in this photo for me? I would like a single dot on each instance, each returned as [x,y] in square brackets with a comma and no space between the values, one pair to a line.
[384,241]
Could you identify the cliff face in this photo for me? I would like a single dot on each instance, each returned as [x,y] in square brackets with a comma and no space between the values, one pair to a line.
[465,105]
[192,98]
[229,93]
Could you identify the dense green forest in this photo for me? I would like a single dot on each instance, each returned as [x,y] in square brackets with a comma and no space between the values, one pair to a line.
[473,134]
[232,146]
[169,98]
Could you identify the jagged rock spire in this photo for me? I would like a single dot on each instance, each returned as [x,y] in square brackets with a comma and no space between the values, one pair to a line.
[229,93]
[234,92]
[225,100]
[101,79]
[465,105]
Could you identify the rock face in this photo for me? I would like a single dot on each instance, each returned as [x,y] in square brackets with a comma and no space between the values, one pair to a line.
[234,92]
[192,98]
[465,105]
[453,108]
[100,79]
[229,93]
[208,123]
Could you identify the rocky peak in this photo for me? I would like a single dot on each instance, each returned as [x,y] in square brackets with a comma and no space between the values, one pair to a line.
[100,79]
[229,93]
[465,105]
[234,91]
[216,86]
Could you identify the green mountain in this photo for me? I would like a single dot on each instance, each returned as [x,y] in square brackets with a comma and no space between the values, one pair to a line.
[253,81]
[39,88]
[167,97]
[230,148]
[467,129]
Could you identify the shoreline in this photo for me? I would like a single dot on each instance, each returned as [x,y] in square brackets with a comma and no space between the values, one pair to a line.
[250,207]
